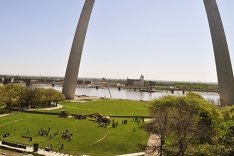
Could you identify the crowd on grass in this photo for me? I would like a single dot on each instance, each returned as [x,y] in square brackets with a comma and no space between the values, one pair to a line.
[65,135]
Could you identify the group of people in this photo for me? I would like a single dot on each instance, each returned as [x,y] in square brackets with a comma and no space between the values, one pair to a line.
[102,124]
[138,119]
[124,122]
[64,134]
[49,147]
[6,135]
[42,132]
[67,135]
[114,124]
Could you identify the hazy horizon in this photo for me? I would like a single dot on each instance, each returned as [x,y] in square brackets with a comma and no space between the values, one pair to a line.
[109,78]
[162,40]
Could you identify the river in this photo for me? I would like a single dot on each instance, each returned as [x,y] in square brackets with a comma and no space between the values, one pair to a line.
[131,94]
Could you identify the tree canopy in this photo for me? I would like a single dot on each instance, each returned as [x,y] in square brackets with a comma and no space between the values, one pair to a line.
[190,125]
[18,96]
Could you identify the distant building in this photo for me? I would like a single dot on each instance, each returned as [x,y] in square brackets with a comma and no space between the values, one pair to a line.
[81,82]
[136,82]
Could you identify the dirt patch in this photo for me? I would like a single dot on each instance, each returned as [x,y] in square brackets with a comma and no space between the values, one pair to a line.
[84,98]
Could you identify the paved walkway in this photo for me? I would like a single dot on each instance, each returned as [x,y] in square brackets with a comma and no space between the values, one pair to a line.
[2,115]
[9,122]
[46,153]
[30,150]
[134,154]
[51,108]
[152,143]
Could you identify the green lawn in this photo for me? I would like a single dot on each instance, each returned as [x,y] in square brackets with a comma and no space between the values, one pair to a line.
[120,140]
[107,107]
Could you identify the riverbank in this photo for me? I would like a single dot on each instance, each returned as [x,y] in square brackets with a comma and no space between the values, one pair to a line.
[88,94]
[85,98]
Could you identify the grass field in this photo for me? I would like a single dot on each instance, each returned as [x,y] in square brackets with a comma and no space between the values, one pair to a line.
[107,107]
[119,140]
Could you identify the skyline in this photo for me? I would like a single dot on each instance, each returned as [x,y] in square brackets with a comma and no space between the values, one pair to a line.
[111,36]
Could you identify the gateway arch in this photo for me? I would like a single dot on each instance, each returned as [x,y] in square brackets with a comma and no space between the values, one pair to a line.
[221,52]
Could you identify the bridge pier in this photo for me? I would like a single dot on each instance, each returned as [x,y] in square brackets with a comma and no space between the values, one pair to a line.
[183,91]
[172,91]
[6,80]
[28,82]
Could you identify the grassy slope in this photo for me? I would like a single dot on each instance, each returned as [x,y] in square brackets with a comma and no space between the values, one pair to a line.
[107,107]
[119,141]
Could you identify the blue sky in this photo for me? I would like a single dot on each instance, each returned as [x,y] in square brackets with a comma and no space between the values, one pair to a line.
[161,39]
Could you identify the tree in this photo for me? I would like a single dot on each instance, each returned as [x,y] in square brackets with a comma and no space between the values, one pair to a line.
[11,94]
[2,97]
[52,95]
[225,137]
[182,123]
[27,98]
[17,96]
[46,96]
[161,112]
[58,96]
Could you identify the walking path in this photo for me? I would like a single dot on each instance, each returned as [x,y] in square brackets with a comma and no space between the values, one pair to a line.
[101,138]
[51,153]
[134,154]
[153,142]
[51,108]
[10,122]
[30,150]
[2,115]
